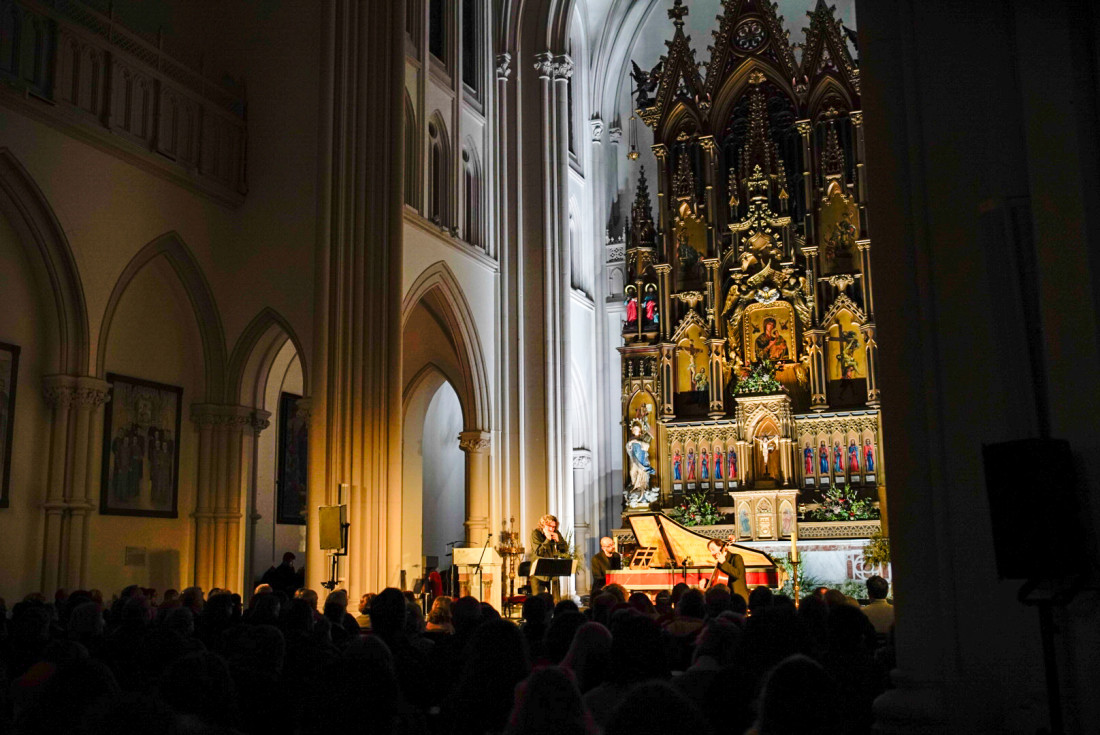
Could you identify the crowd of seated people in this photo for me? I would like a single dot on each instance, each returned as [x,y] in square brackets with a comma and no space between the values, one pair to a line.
[688,662]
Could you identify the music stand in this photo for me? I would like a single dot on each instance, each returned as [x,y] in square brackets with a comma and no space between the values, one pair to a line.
[547,567]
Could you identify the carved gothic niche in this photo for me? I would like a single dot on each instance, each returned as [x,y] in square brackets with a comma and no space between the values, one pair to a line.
[744,521]
[765,519]
[643,407]
[692,365]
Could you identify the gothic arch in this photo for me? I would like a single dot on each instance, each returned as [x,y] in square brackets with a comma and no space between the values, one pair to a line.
[26,208]
[440,160]
[439,290]
[171,247]
[412,154]
[251,358]
[735,85]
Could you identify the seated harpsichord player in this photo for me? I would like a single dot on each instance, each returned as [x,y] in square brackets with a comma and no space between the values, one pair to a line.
[547,543]
[730,564]
[606,560]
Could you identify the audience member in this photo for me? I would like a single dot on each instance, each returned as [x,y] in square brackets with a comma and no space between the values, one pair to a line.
[548,703]
[878,610]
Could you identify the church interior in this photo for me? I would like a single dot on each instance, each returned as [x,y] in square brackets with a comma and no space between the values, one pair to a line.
[380,286]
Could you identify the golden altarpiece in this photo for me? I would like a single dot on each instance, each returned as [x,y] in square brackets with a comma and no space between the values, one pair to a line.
[748,352]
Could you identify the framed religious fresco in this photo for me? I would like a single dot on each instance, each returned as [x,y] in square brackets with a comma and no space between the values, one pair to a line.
[770,333]
[9,372]
[141,452]
[293,439]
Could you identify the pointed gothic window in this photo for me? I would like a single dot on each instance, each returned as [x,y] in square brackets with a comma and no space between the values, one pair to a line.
[439,167]
[471,192]
[412,156]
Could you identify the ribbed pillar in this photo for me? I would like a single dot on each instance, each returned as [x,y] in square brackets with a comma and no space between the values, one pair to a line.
[717,378]
[204,499]
[818,376]
[58,394]
[356,428]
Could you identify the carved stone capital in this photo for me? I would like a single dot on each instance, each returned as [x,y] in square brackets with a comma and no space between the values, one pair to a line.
[260,420]
[660,150]
[475,442]
[582,459]
[221,417]
[553,66]
[856,117]
[59,390]
[91,393]
[563,67]
[614,134]
[544,65]
[596,125]
[503,67]
[803,127]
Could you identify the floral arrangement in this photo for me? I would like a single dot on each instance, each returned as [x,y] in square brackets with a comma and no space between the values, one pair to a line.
[696,511]
[843,504]
[760,378]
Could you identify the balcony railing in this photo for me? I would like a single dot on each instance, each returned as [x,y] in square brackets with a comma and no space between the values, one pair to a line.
[83,71]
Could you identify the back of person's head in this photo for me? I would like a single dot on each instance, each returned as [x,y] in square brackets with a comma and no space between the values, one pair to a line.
[566,605]
[813,712]
[549,703]
[640,602]
[759,599]
[678,591]
[265,609]
[877,588]
[170,595]
[636,713]
[738,604]
[414,618]
[488,612]
[192,597]
[496,661]
[388,612]
[718,640]
[835,598]
[600,608]
[86,621]
[637,648]
[465,614]
[440,614]
[199,684]
[288,557]
[261,589]
[559,636]
[68,697]
[663,602]
[691,605]
[617,591]
[298,618]
[181,620]
[535,611]
[848,628]
[308,595]
[718,600]
[589,655]
[337,597]
[256,648]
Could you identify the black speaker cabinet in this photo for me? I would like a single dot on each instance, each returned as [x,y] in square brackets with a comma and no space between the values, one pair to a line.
[1038,530]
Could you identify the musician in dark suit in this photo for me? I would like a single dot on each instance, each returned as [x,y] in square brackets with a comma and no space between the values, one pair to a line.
[732,565]
[603,562]
[547,543]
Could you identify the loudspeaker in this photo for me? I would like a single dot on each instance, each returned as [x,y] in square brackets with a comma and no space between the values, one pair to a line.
[331,519]
[1034,509]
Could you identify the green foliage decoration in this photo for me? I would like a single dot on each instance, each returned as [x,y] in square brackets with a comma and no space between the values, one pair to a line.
[843,504]
[759,378]
[696,511]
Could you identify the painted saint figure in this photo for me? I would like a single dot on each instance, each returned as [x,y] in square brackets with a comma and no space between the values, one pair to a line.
[733,464]
[823,459]
[677,466]
[649,308]
[853,458]
[771,345]
[691,465]
[631,310]
[704,464]
[718,464]
[869,456]
[808,455]
[838,459]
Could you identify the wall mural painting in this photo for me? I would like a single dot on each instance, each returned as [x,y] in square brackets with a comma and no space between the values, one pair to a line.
[141,449]
[770,332]
[837,233]
[9,373]
[292,461]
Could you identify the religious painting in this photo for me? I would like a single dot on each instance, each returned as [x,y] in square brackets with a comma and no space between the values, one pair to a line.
[744,521]
[869,456]
[845,358]
[141,429]
[786,520]
[677,462]
[9,373]
[770,332]
[293,438]
[839,228]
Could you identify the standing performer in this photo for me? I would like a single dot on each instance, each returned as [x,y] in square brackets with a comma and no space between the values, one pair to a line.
[729,563]
[547,543]
[606,560]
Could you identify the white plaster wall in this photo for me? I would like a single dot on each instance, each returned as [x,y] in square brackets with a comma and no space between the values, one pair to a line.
[27,319]
[444,474]
[154,336]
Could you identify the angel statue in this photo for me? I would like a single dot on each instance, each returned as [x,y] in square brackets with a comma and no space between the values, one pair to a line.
[637,450]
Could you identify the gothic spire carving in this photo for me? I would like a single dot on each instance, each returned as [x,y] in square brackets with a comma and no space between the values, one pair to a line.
[643,234]
[832,158]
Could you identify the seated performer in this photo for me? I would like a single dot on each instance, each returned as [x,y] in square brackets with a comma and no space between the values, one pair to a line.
[546,543]
[730,564]
[603,562]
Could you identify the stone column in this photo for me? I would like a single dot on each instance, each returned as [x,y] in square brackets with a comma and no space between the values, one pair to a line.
[582,522]
[204,498]
[76,404]
[664,281]
[861,170]
[355,434]
[668,380]
[476,444]
[258,421]
[89,397]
